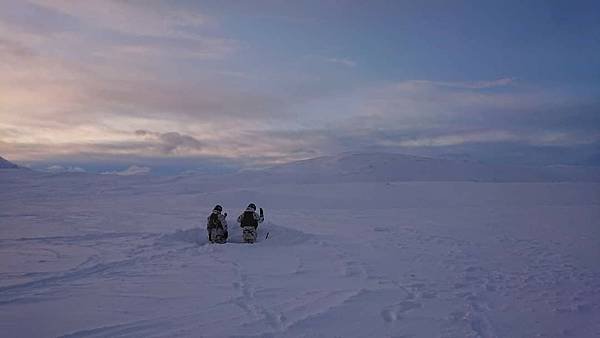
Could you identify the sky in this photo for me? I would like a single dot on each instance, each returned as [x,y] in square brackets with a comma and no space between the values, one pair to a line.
[213,86]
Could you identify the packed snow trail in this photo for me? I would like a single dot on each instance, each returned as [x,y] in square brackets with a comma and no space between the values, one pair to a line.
[412,259]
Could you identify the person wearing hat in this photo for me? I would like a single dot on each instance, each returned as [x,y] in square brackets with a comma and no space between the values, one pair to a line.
[249,221]
[217,226]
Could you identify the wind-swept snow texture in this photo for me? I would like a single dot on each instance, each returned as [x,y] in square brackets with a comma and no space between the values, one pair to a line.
[85,255]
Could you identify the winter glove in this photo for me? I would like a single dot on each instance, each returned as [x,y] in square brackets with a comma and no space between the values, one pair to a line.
[224,215]
[261,212]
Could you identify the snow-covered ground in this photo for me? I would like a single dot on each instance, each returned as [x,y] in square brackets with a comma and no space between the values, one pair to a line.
[84,255]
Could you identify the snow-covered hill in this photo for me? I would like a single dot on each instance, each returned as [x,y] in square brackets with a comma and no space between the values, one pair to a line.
[84,255]
[5,164]
[382,167]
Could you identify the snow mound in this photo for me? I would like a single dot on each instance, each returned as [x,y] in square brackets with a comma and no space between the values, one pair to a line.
[278,235]
[193,235]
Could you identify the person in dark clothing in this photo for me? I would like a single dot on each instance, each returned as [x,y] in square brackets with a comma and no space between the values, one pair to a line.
[216,226]
[249,221]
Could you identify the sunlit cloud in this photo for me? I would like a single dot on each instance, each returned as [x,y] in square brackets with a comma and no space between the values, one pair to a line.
[400,115]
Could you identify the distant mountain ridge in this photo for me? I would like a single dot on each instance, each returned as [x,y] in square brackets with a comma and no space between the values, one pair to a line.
[374,167]
[6,164]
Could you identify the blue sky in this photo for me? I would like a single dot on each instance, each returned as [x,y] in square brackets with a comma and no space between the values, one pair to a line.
[207,85]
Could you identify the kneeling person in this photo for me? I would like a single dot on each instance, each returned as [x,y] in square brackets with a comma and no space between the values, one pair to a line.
[217,226]
[249,221]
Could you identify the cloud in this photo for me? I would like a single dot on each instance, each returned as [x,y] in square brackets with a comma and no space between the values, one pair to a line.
[207,100]
[171,142]
[14,49]
[405,116]
[536,138]
[148,18]
[455,139]
[117,29]
[130,171]
[501,82]
[81,78]
[342,61]
[119,79]
[67,65]
[419,106]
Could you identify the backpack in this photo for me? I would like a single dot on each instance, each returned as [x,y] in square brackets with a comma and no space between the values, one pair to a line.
[214,222]
[248,220]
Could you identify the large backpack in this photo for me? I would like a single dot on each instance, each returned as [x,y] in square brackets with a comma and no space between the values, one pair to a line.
[248,219]
[214,222]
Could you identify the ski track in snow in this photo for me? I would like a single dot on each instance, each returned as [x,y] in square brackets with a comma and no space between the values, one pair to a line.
[413,272]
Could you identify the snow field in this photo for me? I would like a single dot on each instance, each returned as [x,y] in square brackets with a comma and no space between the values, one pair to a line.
[98,256]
